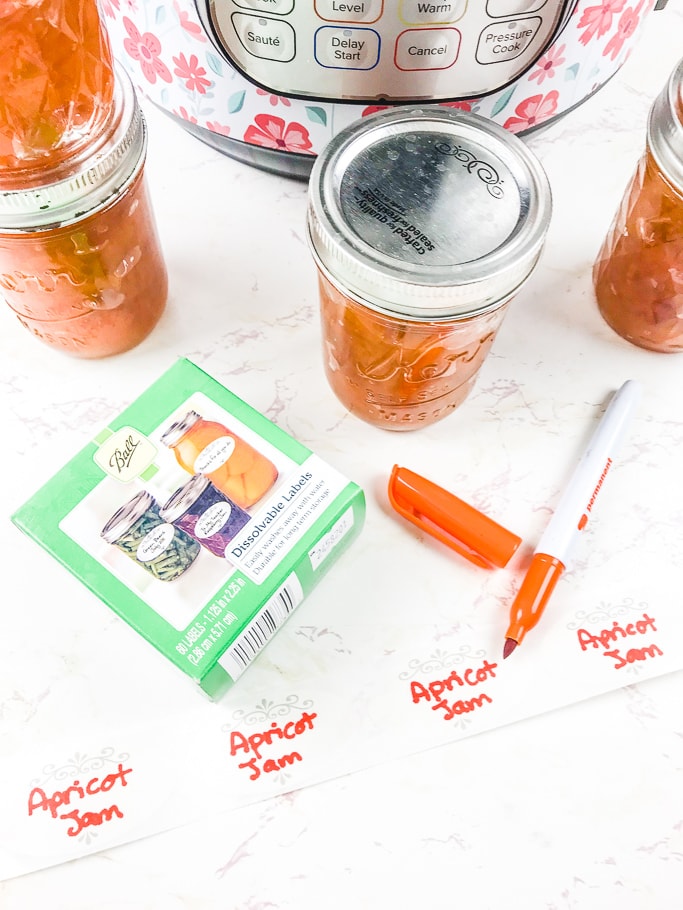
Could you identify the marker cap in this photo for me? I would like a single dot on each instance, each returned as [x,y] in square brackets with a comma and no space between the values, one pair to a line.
[451,520]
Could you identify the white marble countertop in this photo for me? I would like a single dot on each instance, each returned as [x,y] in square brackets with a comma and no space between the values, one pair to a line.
[576,809]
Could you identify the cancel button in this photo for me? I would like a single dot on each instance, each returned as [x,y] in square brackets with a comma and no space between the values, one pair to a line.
[427,48]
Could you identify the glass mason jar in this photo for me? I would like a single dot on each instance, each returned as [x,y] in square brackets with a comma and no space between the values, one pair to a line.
[423,223]
[80,261]
[56,84]
[139,531]
[638,273]
[233,466]
[206,514]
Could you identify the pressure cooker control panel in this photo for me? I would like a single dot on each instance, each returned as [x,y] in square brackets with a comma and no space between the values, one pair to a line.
[373,50]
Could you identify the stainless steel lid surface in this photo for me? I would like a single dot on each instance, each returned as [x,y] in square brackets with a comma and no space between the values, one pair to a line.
[428,212]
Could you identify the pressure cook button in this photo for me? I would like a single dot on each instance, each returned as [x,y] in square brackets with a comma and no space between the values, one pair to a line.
[347,48]
[265,38]
[506,40]
[427,48]
[278,7]
[417,12]
[349,11]
[497,9]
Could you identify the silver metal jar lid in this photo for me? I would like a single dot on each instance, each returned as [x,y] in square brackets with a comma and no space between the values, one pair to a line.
[665,128]
[178,429]
[122,521]
[91,179]
[428,212]
[184,498]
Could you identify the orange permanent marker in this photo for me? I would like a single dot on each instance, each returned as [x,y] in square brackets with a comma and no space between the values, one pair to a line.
[571,516]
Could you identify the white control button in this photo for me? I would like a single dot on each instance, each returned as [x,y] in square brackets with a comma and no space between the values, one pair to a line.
[349,10]
[265,38]
[427,49]
[347,48]
[498,9]
[279,7]
[506,40]
[417,12]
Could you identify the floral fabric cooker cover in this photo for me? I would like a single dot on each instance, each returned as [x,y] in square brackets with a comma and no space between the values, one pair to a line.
[173,62]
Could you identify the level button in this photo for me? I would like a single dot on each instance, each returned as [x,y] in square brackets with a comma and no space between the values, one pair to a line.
[349,10]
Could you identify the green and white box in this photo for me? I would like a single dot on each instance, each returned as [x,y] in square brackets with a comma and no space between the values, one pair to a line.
[209,611]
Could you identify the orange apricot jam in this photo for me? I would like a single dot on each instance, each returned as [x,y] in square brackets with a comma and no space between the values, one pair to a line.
[80,260]
[90,289]
[396,373]
[233,466]
[56,83]
[638,274]
[423,225]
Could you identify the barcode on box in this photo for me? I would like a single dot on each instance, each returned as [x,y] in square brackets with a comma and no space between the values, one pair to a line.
[262,628]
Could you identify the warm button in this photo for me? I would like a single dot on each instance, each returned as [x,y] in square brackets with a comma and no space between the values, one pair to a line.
[427,49]
[347,48]
[506,40]
[349,10]
[498,9]
[417,12]
[265,38]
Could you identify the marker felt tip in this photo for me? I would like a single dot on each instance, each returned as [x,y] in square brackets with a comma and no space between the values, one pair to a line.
[571,516]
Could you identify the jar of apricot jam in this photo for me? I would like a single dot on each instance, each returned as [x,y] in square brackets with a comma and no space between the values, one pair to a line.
[638,273]
[424,224]
[56,84]
[80,261]
[233,466]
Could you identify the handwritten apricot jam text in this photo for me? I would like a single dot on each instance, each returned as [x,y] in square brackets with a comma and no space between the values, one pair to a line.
[254,743]
[617,633]
[434,691]
[38,799]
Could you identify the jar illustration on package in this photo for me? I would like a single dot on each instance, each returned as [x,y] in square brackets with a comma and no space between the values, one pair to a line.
[231,464]
[205,513]
[638,273]
[139,531]
[424,224]
[81,265]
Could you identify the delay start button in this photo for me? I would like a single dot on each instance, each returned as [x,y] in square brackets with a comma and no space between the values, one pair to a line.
[347,48]
[506,40]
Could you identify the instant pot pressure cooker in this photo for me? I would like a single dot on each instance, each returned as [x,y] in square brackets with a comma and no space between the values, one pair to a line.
[271,81]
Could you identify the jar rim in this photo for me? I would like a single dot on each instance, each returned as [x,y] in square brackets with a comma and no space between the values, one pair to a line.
[180,501]
[665,128]
[127,516]
[376,305]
